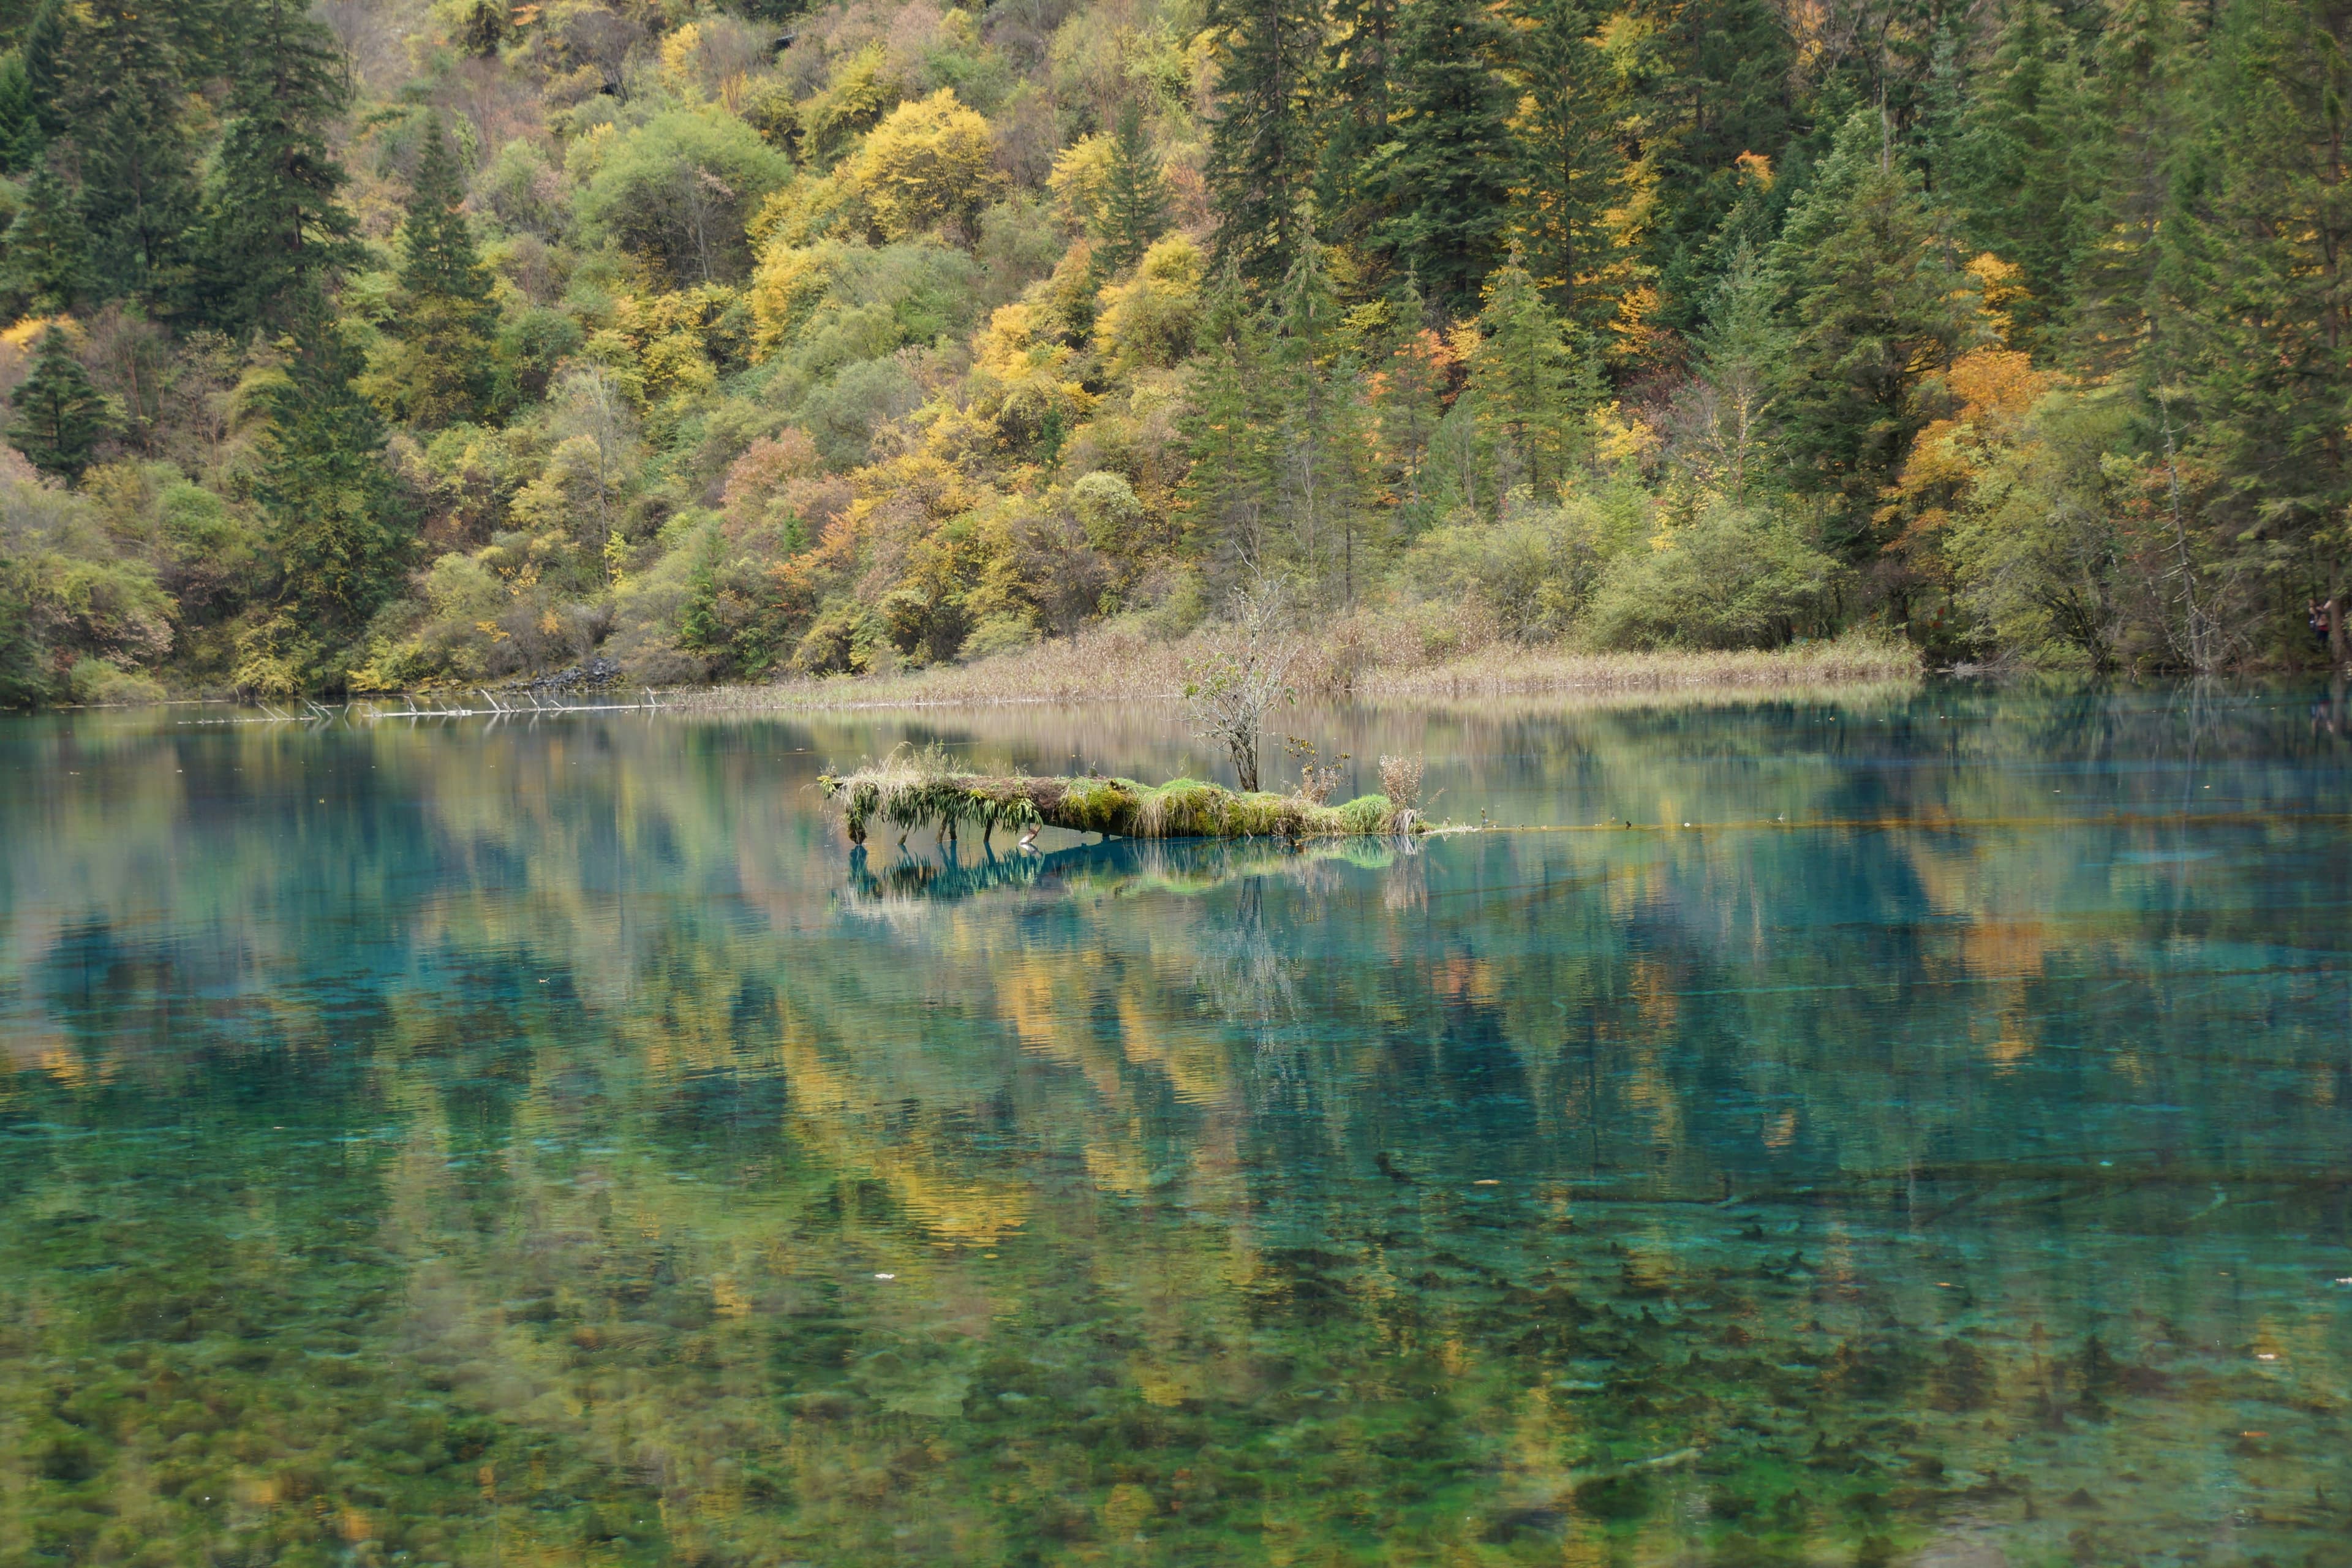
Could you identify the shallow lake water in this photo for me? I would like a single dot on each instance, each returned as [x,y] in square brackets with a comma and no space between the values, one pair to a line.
[1909,1128]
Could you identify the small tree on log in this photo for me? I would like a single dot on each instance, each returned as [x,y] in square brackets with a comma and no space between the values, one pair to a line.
[1228,690]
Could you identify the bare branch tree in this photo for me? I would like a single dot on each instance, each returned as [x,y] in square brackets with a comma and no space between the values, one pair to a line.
[1244,676]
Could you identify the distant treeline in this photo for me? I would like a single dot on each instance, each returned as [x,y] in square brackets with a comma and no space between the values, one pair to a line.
[380,346]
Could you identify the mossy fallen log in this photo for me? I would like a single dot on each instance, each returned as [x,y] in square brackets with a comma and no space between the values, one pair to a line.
[907,796]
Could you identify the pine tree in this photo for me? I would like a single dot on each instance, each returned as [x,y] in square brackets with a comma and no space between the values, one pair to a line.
[1741,350]
[1710,95]
[274,224]
[335,523]
[2145,59]
[2261,299]
[441,371]
[1355,96]
[1229,496]
[1569,165]
[1877,309]
[1261,137]
[20,123]
[700,627]
[61,417]
[27,675]
[47,265]
[1528,392]
[1444,176]
[1411,362]
[1134,208]
[110,78]
[2017,167]
[44,49]
[1322,454]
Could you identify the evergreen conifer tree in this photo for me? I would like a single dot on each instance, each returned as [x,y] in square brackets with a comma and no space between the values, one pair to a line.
[26,676]
[1569,166]
[441,371]
[1229,494]
[45,48]
[61,417]
[1713,94]
[699,623]
[1411,364]
[1526,386]
[1877,308]
[1134,210]
[2016,174]
[2145,61]
[1741,350]
[1444,176]
[110,78]
[274,223]
[1354,92]
[46,270]
[2260,288]
[20,125]
[335,526]
[1261,138]
[1323,449]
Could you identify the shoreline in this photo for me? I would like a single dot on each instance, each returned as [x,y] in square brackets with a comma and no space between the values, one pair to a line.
[1116,665]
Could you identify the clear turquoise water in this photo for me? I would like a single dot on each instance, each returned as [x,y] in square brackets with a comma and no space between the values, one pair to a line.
[505,1144]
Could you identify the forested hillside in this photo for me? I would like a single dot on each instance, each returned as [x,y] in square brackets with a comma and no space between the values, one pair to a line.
[391,344]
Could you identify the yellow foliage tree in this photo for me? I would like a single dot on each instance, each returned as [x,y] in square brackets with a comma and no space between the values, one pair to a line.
[929,165]
[792,282]
[1996,389]
[862,92]
[806,209]
[1022,380]
[1147,322]
[1078,179]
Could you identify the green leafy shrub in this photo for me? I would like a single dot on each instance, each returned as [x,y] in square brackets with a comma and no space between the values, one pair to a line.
[680,190]
[1532,572]
[1734,579]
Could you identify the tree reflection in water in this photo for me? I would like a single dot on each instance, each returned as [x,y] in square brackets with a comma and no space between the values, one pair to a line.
[551,1145]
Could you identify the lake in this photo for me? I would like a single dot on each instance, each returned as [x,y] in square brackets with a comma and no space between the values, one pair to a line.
[1910,1127]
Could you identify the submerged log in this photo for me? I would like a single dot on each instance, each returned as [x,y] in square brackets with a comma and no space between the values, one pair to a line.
[908,797]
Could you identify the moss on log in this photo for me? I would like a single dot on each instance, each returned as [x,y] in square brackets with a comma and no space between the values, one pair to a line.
[907,796]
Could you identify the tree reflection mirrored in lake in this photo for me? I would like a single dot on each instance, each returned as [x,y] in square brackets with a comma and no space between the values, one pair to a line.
[545,1144]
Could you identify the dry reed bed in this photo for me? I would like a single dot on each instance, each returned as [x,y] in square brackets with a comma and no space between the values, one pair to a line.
[1501,670]
[1361,658]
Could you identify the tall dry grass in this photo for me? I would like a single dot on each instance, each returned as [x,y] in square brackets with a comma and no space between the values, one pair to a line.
[1364,656]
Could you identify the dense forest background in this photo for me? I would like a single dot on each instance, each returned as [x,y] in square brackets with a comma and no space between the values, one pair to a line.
[390,343]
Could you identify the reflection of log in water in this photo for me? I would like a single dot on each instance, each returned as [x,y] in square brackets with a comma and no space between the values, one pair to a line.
[1116,868]
[912,879]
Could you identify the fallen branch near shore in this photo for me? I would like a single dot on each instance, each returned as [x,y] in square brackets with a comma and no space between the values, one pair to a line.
[907,792]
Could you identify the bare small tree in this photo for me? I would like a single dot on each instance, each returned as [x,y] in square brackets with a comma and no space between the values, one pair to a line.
[1244,676]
